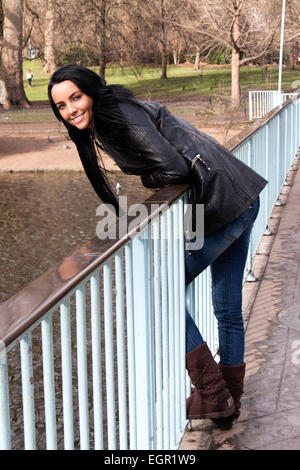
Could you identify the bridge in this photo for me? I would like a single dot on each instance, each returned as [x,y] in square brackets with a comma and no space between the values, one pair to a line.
[101,334]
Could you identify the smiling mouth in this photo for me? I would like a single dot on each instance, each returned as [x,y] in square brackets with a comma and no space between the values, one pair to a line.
[78,118]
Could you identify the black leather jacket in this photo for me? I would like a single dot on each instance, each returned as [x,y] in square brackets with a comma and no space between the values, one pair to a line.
[166,147]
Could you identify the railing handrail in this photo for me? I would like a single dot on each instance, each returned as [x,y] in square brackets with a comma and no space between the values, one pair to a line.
[26,307]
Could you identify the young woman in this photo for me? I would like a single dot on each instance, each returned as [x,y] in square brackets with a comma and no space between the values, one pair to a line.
[145,139]
[29,76]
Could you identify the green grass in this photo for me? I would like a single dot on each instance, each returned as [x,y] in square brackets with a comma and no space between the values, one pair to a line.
[38,91]
[182,80]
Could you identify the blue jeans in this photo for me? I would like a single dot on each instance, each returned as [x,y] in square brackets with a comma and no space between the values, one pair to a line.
[226,253]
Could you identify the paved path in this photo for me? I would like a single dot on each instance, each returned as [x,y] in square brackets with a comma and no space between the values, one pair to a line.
[270,418]
[46,147]
[40,147]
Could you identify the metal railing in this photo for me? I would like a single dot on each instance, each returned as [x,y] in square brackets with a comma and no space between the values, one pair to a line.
[114,365]
[262,102]
[93,351]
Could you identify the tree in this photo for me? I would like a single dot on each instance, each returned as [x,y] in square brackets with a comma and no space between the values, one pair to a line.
[291,29]
[49,51]
[247,28]
[106,31]
[102,12]
[158,18]
[11,57]
[98,29]
[1,21]
[163,39]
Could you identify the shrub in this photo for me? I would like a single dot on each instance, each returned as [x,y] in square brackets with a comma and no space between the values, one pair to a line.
[218,57]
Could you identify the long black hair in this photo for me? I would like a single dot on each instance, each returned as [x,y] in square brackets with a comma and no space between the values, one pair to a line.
[108,123]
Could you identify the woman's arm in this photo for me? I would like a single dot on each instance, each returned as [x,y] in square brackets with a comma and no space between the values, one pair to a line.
[163,164]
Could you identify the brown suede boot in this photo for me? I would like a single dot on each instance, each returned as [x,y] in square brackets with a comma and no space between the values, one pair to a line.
[234,378]
[212,398]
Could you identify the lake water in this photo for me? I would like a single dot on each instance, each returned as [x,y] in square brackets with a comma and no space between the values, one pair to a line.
[45,217]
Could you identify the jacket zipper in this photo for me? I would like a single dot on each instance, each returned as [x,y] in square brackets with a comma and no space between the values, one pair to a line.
[198,157]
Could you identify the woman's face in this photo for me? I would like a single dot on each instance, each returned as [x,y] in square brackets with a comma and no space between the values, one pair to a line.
[74,106]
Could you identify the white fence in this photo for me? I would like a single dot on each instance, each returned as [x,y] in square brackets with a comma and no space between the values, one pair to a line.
[262,102]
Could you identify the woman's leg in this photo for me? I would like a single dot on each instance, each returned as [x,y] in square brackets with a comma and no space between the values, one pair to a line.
[196,262]
[211,397]
[193,335]
[216,252]
[226,252]
[227,283]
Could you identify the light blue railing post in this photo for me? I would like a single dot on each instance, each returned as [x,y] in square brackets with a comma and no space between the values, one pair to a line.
[177,333]
[120,327]
[158,333]
[82,368]
[182,314]
[96,361]
[278,138]
[130,347]
[109,356]
[5,441]
[49,388]
[66,365]
[289,130]
[267,189]
[297,143]
[295,105]
[165,327]
[297,111]
[250,276]
[28,392]
[287,147]
[171,269]
[294,134]
[143,355]
[179,321]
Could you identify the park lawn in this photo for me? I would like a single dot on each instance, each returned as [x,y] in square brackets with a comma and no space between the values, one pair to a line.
[182,80]
[38,91]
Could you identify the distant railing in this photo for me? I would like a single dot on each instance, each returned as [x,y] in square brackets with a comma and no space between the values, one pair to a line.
[262,102]
[92,353]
